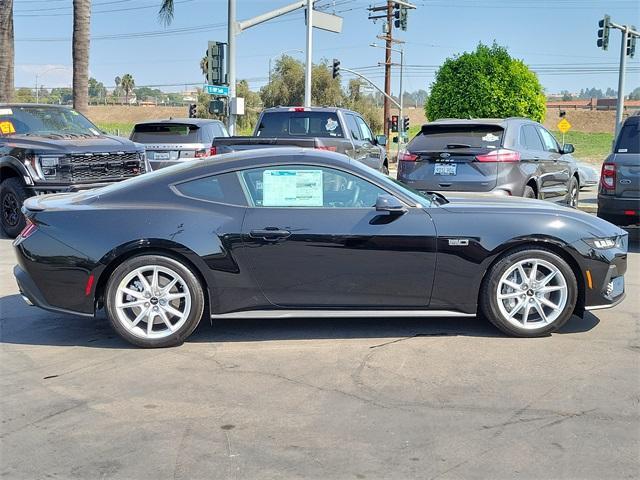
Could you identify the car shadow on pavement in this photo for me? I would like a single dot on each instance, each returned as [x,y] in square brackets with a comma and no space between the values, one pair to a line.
[21,324]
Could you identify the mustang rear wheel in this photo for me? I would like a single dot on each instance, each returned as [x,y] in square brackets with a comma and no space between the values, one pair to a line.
[154,301]
[529,293]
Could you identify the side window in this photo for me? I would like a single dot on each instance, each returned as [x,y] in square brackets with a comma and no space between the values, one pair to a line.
[308,186]
[206,134]
[530,139]
[224,188]
[550,144]
[353,126]
[364,130]
[218,130]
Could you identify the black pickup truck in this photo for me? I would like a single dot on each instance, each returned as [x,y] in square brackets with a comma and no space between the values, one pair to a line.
[327,128]
[51,148]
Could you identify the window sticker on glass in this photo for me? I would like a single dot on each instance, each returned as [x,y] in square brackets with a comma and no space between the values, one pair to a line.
[6,111]
[292,188]
[331,124]
[490,137]
[7,127]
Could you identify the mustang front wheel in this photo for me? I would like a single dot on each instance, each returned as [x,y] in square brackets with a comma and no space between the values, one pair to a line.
[529,293]
[154,301]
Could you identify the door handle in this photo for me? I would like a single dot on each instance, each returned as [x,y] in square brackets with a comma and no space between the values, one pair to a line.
[270,234]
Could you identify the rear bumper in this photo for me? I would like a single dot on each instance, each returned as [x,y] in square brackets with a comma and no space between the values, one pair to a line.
[618,210]
[33,296]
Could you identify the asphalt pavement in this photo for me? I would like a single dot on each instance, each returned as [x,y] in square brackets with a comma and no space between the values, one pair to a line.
[320,399]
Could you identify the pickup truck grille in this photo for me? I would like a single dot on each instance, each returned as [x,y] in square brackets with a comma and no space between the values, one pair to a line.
[100,167]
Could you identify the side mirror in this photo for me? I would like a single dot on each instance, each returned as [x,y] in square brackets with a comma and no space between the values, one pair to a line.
[381,140]
[567,148]
[389,203]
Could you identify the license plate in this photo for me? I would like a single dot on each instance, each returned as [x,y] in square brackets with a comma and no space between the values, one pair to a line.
[161,155]
[445,169]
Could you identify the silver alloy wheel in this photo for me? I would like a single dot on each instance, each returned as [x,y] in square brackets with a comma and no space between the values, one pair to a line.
[532,293]
[573,199]
[153,302]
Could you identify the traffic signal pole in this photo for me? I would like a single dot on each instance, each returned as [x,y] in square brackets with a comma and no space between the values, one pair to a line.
[621,75]
[387,66]
[231,66]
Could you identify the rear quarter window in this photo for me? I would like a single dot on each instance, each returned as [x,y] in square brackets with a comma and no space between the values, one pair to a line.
[223,188]
[456,136]
[629,139]
[165,133]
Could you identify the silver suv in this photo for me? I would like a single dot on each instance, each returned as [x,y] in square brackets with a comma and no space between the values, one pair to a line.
[512,156]
[177,140]
[619,190]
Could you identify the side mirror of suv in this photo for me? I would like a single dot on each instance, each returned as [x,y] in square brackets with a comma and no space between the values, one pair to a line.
[389,203]
[381,140]
[567,148]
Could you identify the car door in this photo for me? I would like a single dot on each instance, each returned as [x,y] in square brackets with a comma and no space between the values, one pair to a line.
[557,167]
[359,151]
[313,238]
[371,151]
[533,155]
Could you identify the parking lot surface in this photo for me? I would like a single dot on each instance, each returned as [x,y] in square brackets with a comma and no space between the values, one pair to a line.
[352,398]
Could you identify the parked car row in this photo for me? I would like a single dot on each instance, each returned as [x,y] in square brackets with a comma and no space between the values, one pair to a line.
[47,149]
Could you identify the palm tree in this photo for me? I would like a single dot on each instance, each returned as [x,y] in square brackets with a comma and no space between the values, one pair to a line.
[81,32]
[128,84]
[6,52]
[166,12]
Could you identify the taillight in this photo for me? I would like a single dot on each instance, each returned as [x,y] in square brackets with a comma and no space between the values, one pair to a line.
[299,109]
[608,176]
[29,229]
[213,151]
[323,147]
[206,152]
[500,155]
[405,156]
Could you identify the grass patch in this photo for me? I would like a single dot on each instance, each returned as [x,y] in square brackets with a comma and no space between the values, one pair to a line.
[116,128]
[590,146]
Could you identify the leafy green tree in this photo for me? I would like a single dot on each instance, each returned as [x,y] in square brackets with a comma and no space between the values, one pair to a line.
[635,94]
[97,90]
[365,105]
[484,84]
[24,95]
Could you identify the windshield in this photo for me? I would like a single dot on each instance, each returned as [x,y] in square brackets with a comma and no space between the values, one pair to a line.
[54,122]
[299,124]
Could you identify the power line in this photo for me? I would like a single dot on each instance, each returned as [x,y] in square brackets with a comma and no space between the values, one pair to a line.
[96,12]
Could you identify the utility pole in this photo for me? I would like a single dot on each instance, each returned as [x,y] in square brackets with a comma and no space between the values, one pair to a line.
[308,64]
[231,66]
[387,65]
[623,66]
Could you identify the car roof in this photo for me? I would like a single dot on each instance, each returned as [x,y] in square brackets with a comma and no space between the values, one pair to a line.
[281,108]
[49,105]
[190,121]
[479,121]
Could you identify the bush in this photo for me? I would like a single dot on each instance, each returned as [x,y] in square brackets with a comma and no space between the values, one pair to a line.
[487,83]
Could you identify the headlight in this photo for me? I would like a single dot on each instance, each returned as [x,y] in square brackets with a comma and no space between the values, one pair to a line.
[47,166]
[604,243]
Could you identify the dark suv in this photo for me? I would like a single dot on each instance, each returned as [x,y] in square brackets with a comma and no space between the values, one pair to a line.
[512,156]
[619,191]
[51,148]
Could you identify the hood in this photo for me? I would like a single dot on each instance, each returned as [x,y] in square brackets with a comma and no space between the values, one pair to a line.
[99,144]
[519,207]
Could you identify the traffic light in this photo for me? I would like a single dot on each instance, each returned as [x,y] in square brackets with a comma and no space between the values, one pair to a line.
[192,110]
[394,123]
[603,32]
[215,64]
[217,107]
[336,68]
[631,43]
[400,15]
[405,124]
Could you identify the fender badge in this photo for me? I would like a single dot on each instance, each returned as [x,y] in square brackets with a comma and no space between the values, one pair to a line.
[625,181]
[458,242]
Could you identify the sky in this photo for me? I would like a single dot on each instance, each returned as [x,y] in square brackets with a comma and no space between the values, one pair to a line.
[557,38]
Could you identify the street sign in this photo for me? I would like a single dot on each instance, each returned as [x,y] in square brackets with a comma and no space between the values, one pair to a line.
[564,126]
[221,90]
[325,21]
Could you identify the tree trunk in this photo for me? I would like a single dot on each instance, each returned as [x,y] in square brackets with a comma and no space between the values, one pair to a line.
[81,33]
[6,50]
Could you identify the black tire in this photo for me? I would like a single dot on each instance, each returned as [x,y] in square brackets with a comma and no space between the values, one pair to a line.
[573,193]
[529,192]
[12,196]
[488,301]
[195,293]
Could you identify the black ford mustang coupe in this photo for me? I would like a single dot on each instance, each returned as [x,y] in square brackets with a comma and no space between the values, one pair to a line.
[287,232]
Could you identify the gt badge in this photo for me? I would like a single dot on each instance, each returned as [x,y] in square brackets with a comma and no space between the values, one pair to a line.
[458,242]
